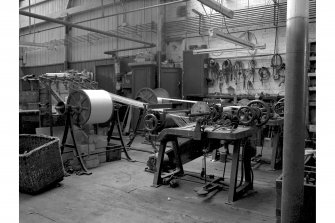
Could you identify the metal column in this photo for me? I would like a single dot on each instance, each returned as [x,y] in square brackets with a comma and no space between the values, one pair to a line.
[294,122]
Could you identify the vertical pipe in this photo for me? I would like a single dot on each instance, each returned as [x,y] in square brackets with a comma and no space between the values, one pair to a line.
[159,41]
[50,109]
[66,45]
[293,155]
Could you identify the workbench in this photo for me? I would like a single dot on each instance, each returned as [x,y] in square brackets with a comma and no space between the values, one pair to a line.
[276,126]
[236,136]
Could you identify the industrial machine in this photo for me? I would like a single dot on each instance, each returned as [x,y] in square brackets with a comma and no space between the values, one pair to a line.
[160,112]
[200,116]
[93,107]
[209,125]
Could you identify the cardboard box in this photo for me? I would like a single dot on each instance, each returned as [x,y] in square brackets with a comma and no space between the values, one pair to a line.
[92,161]
[91,148]
[113,154]
[83,149]
[102,154]
[102,158]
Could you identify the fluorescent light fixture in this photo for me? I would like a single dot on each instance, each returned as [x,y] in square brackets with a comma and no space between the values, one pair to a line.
[213,50]
[233,39]
[218,7]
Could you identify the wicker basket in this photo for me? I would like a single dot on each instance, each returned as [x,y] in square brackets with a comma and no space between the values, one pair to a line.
[40,162]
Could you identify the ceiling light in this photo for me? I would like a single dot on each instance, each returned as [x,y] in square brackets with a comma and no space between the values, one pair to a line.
[233,39]
[213,50]
[218,7]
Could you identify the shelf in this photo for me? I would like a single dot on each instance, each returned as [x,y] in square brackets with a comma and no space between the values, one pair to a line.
[311,75]
[312,88]
[312,128]
[312,103]
[312,58]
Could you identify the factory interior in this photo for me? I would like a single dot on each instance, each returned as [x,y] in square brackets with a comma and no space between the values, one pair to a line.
[168,111]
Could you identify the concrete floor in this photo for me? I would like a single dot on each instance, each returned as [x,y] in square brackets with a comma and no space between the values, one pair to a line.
[121,191]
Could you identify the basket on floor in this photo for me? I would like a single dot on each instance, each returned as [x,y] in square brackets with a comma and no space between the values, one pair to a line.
[40,162]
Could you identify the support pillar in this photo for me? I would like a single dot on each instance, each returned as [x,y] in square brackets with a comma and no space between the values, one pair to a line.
[294,122]
[67,46]
[160,38]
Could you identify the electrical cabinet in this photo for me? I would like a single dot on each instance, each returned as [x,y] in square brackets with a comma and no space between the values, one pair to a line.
[194,82]
[143,75]
[170,80]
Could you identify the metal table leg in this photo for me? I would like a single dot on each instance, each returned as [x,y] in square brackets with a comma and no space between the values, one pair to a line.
[176,150]
[157,176]
[275,148]
[234,171]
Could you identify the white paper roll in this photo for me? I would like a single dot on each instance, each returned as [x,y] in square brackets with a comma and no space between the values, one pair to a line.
[101,106]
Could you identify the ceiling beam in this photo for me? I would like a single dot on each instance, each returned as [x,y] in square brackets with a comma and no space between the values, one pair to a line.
[31,44]
[69,24]
[32,5]
[76,10]
[112,52]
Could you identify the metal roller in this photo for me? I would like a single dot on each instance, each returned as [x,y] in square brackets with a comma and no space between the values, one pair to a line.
[94,106]
[90,106]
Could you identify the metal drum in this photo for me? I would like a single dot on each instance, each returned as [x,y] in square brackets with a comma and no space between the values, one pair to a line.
[90,106]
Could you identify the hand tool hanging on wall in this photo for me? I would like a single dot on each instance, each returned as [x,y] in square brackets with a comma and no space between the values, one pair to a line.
[238,70]
[276,60]
[276,64]
[227,69]
[214,71]
[264,74]
[252,69]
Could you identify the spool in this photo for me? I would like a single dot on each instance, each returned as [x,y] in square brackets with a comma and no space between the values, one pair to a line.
[152,96]
[90,106]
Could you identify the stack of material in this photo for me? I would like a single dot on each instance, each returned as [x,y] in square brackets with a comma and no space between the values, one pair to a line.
[92,147]
[93,151]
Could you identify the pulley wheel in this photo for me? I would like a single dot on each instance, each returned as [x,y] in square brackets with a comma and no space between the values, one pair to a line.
[150,122]
[151,96]
[80,107]
[263,109]
[278,108]
[246,115]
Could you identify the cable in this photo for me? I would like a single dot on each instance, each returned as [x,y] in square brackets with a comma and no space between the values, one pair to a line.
[224,18]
